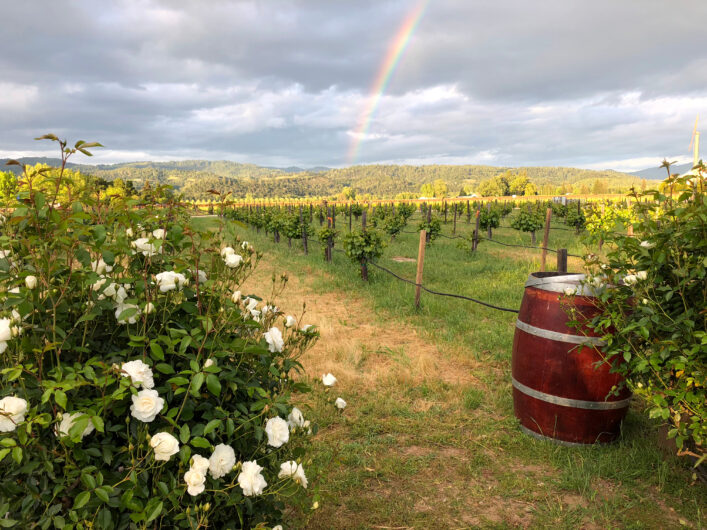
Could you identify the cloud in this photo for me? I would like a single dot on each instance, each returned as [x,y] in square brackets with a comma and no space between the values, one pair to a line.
[560,82]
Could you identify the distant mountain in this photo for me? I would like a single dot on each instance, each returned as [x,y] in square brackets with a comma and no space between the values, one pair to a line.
[33,160]
[295,169]
[659,173]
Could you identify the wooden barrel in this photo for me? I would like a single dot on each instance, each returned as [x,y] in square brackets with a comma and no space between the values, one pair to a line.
[561,385]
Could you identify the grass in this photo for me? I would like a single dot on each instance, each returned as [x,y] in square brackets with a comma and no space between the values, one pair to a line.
[429,439]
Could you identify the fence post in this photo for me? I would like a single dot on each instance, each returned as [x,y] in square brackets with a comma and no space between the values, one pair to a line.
[468,212]
[454,228]
[364,265]
[546,236]
[329,242]
[476,231]
[445,211]
[488,209]
[629,231]
[304,230]
[562,260]
[420,264]
[333,216]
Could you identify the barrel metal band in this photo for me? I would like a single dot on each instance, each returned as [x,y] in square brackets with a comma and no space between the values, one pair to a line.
[547,282]
[560,337]
[567,402]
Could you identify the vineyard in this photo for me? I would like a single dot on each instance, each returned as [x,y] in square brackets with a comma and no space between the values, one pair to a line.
[161,367]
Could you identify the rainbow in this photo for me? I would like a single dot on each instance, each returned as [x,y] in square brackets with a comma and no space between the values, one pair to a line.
[385,72]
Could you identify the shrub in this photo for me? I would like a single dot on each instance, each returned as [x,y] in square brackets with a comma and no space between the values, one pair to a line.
[362,246]
[575,218]
[139,389]
[654,317]
[528,221]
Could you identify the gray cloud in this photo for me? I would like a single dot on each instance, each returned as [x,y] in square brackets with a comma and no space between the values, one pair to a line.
[285,81]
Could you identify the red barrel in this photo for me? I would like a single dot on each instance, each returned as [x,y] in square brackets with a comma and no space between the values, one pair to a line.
[561,383]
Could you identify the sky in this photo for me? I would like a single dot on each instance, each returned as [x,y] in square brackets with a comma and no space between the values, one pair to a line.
[599,84]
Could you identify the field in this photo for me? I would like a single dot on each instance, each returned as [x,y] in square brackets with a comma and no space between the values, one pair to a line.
[429,439]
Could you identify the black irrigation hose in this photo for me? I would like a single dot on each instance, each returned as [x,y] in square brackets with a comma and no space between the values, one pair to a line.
[526,246]
[451,295]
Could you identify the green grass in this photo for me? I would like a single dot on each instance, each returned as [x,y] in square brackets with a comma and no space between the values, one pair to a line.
[463,462]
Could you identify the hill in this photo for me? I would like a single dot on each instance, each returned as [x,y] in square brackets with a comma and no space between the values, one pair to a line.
[194,178]
[659,173]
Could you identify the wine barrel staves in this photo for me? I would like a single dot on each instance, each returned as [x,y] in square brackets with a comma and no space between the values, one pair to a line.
[562,385]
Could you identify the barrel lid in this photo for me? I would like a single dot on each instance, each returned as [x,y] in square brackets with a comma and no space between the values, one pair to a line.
[565,283]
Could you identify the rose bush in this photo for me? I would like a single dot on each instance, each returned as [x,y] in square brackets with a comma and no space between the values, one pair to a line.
[653,316]
[136,389]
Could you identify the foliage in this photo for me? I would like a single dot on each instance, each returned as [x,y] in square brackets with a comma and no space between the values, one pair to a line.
[119,323]
[433,227]
[362,246]
[653,317]
[575,218]
[528,221]
[325,235]
[489,218]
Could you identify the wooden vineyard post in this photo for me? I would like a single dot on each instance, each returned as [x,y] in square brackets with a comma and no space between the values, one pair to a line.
[445,212]
[429,220]
[562,260]
[476,231]
[350,215]
[333,216]
[546,236]
[488,209]
[468,212]
[454,228]
[329,242]
[311,213]
[420,264]
[304,230]
[629,231]
[364,265]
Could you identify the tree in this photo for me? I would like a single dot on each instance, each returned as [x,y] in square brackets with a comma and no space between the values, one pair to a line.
[495,187]
[440,188]
[518,184]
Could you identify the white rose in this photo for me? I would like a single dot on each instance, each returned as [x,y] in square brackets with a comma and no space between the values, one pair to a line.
[255,315]
[127,319]
[277,431]
[68,420]
[208,362]
[139,373]
[250,303]
[147,404]
[250,480]
[200,464]
[31,282]
[290,321]
[274,339]
[306,328]
[328,379]
[159,233]
[647,244]
[99,266]
[5,329]
[307,425]
[144,246]
[233,260]
[630,279]
[294,470]
[149,308]
[195,482]
[170,280]
[245,245]
[295,418]
[226,251]
[569,291]
[221,461]
[129,232]
[645,301]
[340,403]
[642,275]
[165,445]
[12,412]
[236,297]
[277,527]
[202,276]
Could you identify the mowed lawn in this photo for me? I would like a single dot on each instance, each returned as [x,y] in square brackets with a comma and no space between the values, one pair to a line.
[428,439]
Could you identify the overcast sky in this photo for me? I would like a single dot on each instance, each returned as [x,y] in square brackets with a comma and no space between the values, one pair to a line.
[585,83]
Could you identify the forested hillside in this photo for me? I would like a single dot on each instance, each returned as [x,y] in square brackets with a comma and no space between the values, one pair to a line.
[194,179]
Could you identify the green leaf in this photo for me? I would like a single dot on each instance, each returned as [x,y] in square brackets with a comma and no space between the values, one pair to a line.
[196,383]
[213,384]
[17,454]
[4,453]
[60,398]
[103,493]
[164,368]
[104,518]
[153,509]
[82,499]
[184,433]
[157,352]
[211,426]
[200,442]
